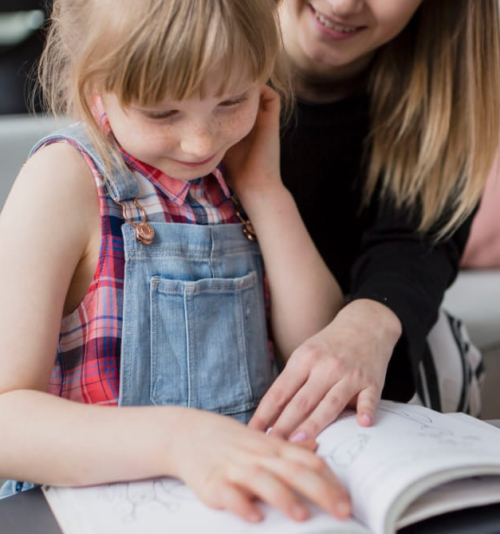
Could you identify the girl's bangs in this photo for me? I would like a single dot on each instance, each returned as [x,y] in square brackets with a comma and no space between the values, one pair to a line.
[179,65]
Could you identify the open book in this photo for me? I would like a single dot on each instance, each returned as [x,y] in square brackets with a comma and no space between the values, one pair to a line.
[414,463]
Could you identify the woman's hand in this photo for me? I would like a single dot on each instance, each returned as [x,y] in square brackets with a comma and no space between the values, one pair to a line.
[230,466]
[343,365]
[253,164]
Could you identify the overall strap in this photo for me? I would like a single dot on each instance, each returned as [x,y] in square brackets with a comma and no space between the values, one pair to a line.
[120,184]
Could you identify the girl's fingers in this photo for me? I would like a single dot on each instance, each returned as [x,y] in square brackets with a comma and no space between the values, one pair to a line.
[253,466]
[309,444]
[313,480]
[239,502]
[268,487]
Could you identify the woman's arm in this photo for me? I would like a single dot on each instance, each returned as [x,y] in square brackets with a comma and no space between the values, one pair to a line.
[395,287]
[304,294]
[398,284]
[46,235]
[407,272]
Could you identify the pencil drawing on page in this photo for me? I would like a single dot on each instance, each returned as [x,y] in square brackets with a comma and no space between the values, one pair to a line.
[346,453]
[130,499]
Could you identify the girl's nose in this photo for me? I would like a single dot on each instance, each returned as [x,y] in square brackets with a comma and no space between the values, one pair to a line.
[198,143]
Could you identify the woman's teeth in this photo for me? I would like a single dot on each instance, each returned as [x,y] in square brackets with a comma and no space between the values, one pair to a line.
[333,25]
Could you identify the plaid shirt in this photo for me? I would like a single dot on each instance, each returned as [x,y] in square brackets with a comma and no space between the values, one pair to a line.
[87,365]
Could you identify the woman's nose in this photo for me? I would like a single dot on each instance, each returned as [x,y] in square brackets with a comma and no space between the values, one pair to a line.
[344,8]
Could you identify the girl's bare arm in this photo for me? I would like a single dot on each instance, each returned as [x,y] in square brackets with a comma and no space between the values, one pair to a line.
[305,296]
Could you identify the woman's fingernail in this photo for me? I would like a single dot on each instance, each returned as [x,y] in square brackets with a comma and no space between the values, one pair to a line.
[299,436]
[366,419]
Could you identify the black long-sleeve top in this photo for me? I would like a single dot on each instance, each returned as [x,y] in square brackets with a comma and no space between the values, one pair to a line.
[375,253]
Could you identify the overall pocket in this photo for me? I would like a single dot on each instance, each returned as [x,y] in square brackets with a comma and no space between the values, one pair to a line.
[208,343]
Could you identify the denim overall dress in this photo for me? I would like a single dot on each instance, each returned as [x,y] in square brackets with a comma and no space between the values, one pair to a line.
[194,328]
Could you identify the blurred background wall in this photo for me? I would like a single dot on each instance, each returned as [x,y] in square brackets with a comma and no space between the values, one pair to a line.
[21,43]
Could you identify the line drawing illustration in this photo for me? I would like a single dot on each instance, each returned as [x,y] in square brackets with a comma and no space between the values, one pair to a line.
[345,454]
[128,499]
[417,418]
[428,428]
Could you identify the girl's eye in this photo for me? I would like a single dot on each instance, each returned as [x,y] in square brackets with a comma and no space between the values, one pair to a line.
[234,102]
[159,115]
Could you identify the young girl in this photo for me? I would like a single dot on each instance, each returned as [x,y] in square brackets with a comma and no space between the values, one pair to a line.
[398,113]
[128,266]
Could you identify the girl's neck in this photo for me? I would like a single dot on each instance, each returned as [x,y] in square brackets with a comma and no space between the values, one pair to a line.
[322,86]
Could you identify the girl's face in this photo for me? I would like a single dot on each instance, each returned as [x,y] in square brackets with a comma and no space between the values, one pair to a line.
[188,139]
[321,35]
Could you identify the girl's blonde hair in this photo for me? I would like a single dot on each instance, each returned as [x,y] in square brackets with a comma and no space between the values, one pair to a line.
[147,50]
[436,112]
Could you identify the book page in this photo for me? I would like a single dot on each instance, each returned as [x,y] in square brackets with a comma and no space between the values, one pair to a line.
[385,467]
[409,450]
[166,505]
[456,495]
[478,423]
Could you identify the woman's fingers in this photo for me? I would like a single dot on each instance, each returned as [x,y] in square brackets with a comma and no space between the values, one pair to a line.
[326,410]
[342,365]
[366,405]
[299,409]
[312,391]
[277,398]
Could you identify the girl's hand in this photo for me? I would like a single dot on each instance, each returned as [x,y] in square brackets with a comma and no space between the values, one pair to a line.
[343,365]
[230,466]
[253,164]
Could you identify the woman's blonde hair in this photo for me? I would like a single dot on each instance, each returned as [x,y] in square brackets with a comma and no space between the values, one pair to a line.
[147,50]
[436,112]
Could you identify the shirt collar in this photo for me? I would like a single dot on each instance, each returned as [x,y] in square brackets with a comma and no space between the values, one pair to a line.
[176,190]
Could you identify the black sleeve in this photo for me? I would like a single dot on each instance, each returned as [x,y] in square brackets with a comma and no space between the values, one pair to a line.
[21,5]
[409,274]
[377,252]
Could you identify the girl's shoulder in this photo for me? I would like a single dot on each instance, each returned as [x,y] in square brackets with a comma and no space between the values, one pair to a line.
[55,190]
[57,170]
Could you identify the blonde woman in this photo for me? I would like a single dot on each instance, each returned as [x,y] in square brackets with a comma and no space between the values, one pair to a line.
[397,127]
[137,284]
